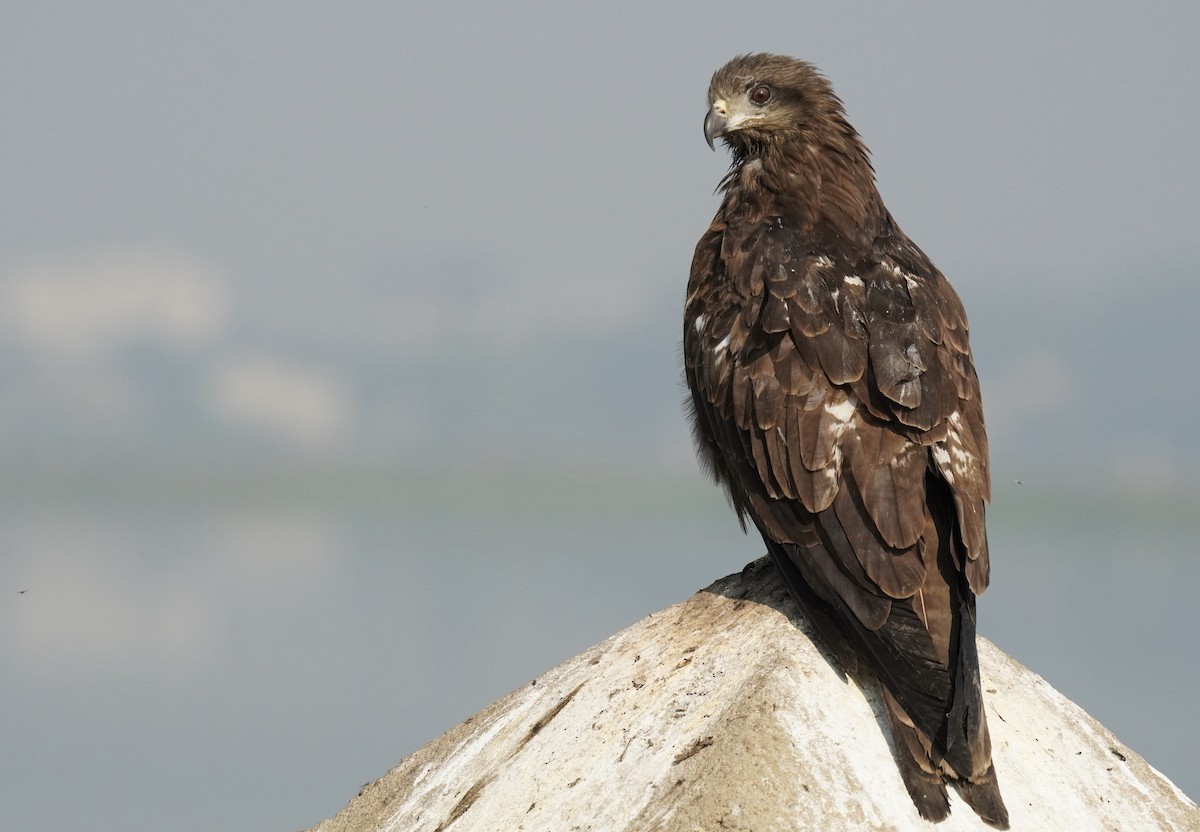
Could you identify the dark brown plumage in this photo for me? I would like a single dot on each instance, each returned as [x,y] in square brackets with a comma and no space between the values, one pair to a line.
[834,396]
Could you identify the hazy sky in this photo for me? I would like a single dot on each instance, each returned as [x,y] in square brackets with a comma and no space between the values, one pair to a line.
[248,250]
[332,230]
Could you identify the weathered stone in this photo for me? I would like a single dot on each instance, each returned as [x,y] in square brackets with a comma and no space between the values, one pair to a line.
[720,713]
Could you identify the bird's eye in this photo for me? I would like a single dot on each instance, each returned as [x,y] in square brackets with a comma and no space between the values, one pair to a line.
[760,95]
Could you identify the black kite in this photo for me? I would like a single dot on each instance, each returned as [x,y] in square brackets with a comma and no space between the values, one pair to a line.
[834,396]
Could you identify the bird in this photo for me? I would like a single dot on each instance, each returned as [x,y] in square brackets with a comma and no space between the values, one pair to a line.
[833,395]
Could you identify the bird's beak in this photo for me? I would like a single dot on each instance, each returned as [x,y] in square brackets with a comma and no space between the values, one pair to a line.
[716,122]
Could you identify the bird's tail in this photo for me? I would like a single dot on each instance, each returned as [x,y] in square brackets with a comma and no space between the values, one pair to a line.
[925,778]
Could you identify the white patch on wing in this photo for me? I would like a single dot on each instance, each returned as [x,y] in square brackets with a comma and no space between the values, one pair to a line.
[853,280]
[951,455]
[910,280]
[942,457]
[831,474]
[836,468]
[823,261]
[701,320]
[843,410]
[723,344]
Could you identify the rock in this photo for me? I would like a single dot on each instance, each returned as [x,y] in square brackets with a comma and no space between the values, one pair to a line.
[720,713]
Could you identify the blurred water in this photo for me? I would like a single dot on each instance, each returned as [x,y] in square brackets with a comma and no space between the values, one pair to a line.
[245,653]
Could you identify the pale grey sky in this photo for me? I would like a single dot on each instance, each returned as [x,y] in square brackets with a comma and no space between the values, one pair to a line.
[263,267]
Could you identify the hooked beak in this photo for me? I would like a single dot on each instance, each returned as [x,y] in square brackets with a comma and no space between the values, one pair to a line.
[716,122]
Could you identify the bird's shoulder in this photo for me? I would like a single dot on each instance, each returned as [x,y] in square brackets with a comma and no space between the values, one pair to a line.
[878,317]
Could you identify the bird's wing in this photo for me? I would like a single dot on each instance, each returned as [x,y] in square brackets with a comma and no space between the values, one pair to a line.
[842,409]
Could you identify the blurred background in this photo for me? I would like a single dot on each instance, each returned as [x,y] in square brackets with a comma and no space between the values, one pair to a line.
[340,387]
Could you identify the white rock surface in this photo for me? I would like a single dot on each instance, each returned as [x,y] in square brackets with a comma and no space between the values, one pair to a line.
[720,713]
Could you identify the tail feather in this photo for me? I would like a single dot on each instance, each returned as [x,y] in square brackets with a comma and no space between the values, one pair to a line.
[925,778]
[936,712]
[983,795]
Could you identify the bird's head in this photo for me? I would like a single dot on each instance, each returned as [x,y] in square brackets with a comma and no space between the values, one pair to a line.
[757,99]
